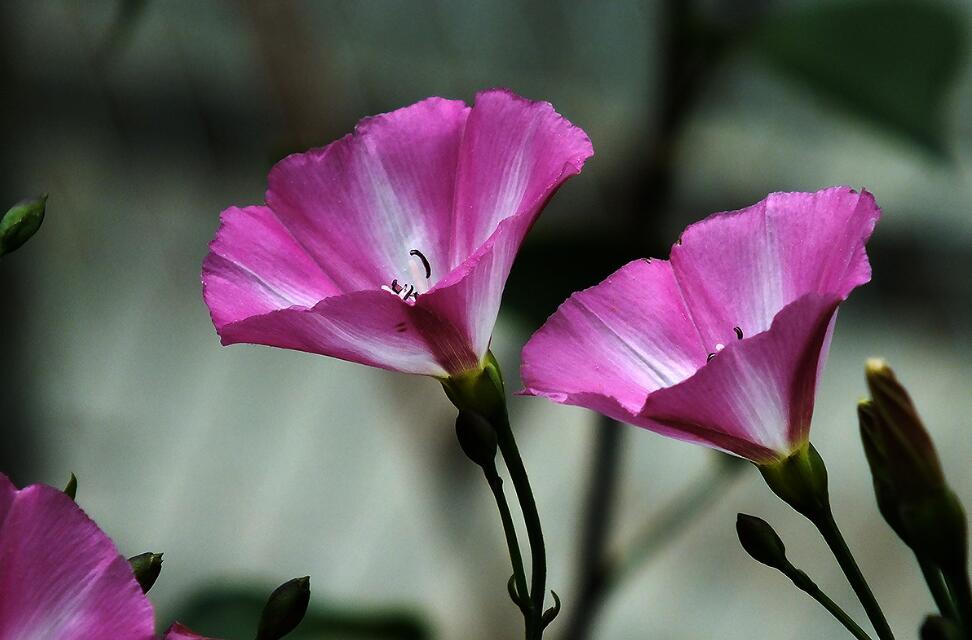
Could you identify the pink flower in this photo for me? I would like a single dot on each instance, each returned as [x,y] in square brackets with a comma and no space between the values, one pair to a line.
[61,577]
[723,344]
[391,246]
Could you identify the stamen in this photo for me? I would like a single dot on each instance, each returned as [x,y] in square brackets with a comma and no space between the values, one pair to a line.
[739,333]
[425,262]
[709,357]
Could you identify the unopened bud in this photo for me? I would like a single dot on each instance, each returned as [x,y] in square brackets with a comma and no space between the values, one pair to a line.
[909,450]
[21,222]
[909,484]
[146,567]
[477,437]
[761,542]
[285,609]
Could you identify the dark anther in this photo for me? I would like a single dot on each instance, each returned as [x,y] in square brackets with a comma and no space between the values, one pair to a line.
[397,288]
[709,357]
[425,262]
[738,332]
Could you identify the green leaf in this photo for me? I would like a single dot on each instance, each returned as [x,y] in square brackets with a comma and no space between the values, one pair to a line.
[233,613]
[891,62]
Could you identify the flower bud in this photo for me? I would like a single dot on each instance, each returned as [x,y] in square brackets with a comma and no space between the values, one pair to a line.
[21,222]
[761,542]
[477,437]
[285,609]
[910,454]
[908,481]
[146,567]
[800,480]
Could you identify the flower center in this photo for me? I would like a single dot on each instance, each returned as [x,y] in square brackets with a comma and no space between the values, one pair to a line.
[419,270]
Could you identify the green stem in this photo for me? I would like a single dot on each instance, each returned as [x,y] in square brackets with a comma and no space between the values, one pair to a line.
[936,585]
[805,584]
[519,576]
[825,523]
[958,584]
[531,517]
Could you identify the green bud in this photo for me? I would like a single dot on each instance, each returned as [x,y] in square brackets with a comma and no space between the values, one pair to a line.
[939,628]
[146,567]
[477,437]
[21,222]
[72,488]
[761,542]
[800,480]
[480,390]
[285,609]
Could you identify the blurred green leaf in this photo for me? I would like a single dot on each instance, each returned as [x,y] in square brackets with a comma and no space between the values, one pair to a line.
[233,613]
[889,61]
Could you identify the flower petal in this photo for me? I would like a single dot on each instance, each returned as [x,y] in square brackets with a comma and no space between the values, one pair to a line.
[739,269]
[615,342]
[514,155]
[374,328]
[60,576]
[181,632]
[755,397]
[255,266]
[360,204]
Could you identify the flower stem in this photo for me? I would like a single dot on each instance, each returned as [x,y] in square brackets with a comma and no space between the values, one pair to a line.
[939,591]
[825,523]
[805,584]
[519,576]
[531,517]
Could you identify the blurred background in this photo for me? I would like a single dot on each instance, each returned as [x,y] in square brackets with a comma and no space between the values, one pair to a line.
[246,465]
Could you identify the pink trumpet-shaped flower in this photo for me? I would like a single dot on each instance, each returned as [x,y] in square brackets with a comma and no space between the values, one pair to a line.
[61,577]
[723,344]
[391,246]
